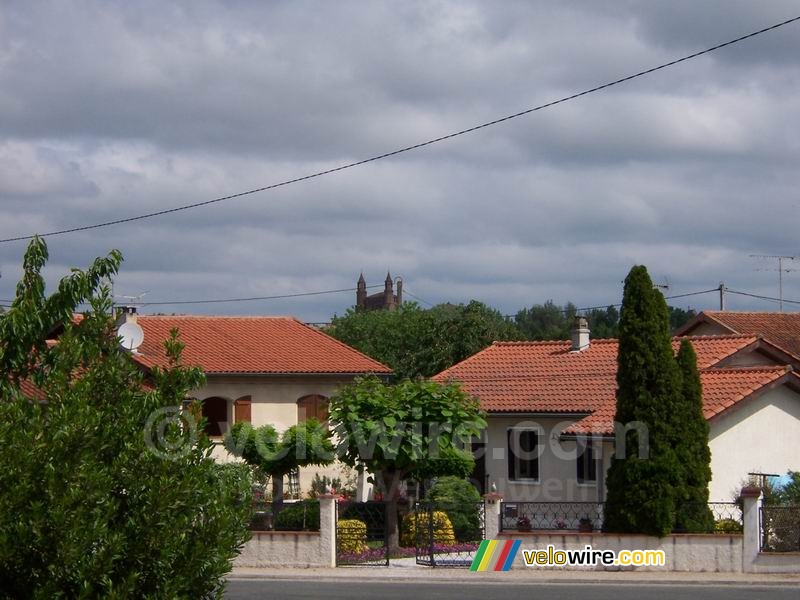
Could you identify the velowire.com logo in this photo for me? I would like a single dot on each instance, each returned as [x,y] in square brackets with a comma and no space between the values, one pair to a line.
[495,555]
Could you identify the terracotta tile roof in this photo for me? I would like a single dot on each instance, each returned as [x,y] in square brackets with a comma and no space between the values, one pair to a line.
[780,328]
[546,377]
[722,388]
[264,345]
[31,391]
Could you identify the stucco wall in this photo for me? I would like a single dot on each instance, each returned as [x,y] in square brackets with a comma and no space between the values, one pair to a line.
[763,435]
[557,463]
[283,549]
[274,401]
[690,553]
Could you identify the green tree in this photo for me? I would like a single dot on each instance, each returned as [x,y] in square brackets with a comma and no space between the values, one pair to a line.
[790,491]
[679,316]
[106,489]
[413,430]
[641,486]
[418,342]
[693,514]
[546,321]
[604,322]
[305,444]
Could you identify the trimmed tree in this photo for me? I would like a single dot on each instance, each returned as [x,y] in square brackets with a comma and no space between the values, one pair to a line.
[418,342]
[413,430]
[693,514]
[106,488]
[302,445]
[645,472]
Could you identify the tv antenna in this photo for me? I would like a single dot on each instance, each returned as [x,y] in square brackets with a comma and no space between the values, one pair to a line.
[780,270]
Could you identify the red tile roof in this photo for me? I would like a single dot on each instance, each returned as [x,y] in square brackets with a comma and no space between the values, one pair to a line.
[263,345]
[546,377]
[780,328]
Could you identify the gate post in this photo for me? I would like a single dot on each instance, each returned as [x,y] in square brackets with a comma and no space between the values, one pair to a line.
[327,528]
[491,515]
[751,522]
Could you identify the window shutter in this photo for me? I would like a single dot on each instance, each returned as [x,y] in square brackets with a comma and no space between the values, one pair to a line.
[511,466]
[241,409]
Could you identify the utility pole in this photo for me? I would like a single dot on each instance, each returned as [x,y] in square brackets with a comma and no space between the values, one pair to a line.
[780,270]
[722,289]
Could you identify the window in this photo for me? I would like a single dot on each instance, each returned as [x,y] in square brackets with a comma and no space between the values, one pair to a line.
[312,406]
[586,464]
[523,454]
[215,412]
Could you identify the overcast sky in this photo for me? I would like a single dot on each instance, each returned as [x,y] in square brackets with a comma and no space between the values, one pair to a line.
[113,109]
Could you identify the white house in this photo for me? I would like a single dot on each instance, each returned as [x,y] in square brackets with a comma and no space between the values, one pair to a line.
[265,370]
[547,401]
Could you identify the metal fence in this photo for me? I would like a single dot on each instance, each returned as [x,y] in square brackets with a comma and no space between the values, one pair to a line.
[780,528]
[565,516]
[362,535]
[445,534]
[713,517]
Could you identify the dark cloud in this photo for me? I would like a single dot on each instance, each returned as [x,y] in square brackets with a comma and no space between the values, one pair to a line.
[112,109]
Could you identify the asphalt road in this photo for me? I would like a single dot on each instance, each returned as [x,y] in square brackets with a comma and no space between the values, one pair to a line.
[243,589]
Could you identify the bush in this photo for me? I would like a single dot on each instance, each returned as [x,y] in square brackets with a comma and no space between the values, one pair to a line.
[461,501]
[299,516]
[728,526]
[96,499]
[416,523]
[351,536]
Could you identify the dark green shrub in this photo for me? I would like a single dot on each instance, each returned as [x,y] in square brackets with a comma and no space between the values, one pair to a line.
[461,501]
[299,516]
[728,526]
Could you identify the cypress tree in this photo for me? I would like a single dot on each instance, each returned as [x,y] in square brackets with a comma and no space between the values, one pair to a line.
[641,488]
[692,512]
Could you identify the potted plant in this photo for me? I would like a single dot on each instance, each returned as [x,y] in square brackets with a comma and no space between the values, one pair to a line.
[585,525]
[523,523]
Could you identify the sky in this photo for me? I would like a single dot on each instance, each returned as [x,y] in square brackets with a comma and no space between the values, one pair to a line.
[111,109]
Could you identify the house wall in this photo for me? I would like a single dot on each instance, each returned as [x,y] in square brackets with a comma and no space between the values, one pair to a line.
[762,435]
[749,359]
[557,463]
[709,329]
[274,402]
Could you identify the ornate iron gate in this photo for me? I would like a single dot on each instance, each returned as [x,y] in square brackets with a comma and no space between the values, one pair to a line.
[362,536]
[447,534]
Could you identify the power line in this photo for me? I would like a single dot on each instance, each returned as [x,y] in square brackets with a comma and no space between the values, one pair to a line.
[405,291]
[619,304]
[784,300]
[412,147]
[251,299]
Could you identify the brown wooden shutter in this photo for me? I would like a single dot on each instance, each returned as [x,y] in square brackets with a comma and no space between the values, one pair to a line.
[510,457]
[241,409]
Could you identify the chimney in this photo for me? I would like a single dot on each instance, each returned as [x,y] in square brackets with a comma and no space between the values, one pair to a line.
[127,314]
[580,334]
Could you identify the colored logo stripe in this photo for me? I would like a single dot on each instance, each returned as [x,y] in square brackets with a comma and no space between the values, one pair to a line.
[494,555]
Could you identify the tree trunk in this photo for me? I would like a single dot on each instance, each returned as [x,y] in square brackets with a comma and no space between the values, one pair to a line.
[277,496]
[389,486]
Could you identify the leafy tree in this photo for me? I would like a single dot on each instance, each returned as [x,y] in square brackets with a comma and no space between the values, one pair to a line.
[418,342]
[307,443]
[790,491]
[604,323]
[413,430]
[546,321]
[693,514]
[641,488]
[679,316]
[106,489]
